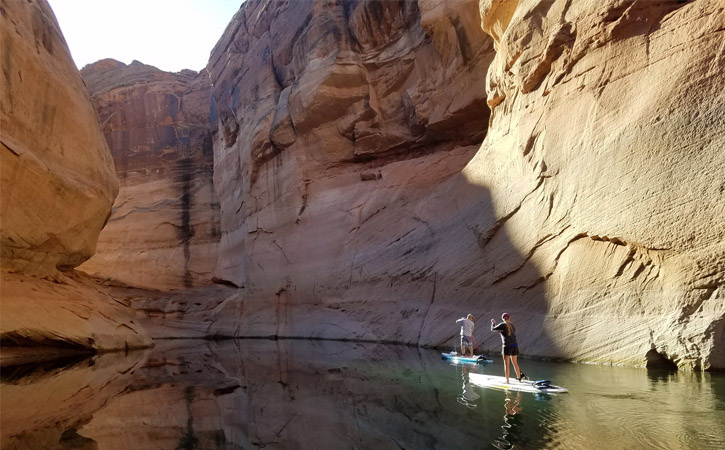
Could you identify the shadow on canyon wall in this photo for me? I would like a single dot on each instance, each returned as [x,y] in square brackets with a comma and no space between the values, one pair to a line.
[391,243]
[459,246]
[395,257]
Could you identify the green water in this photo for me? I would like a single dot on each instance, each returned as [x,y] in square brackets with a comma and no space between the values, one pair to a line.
[291,394]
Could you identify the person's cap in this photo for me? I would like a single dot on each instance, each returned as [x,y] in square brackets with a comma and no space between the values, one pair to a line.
[470,316]
[505,316]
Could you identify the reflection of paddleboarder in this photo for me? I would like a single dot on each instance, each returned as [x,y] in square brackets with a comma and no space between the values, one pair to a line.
[511,421]
[510,348]
[468,397]
[513,405]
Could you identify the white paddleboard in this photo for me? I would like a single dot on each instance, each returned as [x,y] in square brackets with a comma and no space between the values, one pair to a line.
[494,382]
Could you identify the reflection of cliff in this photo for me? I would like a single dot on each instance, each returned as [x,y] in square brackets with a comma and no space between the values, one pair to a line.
[291,393]
[164,226]
[57,185]
[45,407]
[281,394]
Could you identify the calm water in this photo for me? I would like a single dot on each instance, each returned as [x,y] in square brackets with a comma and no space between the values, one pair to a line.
[335,395]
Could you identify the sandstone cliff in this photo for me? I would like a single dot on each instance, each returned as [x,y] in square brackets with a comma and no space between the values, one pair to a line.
[57,185]
[163,231]
[351,208]
[605,162]
[315,92]
[351,116]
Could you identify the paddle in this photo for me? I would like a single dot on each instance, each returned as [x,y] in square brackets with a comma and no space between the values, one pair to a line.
[474,341]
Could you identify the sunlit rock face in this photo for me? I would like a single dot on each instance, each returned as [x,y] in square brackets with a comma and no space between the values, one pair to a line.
[57,176]
[164,227]
[57,185]
[340,127]
[605,162]
[71,313]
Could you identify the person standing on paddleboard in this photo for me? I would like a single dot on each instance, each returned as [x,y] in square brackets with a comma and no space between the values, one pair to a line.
[510,350]
[466,324]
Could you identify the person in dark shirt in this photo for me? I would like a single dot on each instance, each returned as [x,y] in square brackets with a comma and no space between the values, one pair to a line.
[510,350]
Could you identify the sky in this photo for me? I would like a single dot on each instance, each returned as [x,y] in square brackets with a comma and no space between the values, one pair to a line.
[171,35]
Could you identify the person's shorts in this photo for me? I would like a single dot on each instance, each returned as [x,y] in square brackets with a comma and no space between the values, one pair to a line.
[510,351]
[466,340]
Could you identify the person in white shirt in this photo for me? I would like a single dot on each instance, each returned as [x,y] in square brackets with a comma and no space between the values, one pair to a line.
[466,324]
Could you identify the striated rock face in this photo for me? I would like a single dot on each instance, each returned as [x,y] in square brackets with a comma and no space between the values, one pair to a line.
[72,312]
[604,158]
[57,184]
[340,126]
[317,92]
[164,227]
[351,207]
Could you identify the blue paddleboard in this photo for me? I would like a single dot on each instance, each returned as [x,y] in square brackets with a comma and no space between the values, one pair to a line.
[455,357]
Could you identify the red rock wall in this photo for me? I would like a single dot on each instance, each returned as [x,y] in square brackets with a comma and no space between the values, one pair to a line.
[305,90]
[164,227]
[57,185]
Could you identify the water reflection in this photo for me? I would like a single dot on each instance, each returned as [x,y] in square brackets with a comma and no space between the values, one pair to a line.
[468,396]
[318,394]
[44,405]
[512,406]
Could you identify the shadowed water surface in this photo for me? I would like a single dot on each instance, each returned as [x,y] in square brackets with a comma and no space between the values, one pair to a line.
[328,395]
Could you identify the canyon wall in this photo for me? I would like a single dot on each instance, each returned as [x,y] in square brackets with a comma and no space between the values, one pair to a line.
[605,160]
[382,168]
[163,231]
[340,127]
[57,185]
[356,203]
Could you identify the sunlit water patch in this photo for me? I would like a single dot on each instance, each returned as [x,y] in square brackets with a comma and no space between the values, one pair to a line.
[334,395]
